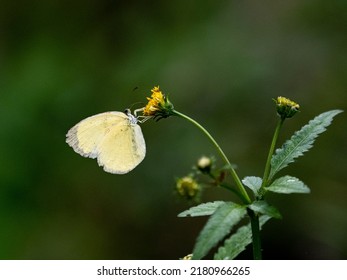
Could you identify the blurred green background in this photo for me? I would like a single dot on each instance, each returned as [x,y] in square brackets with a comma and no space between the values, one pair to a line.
[221,62]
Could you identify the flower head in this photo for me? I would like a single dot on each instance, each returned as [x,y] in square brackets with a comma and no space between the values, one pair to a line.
[285,107]
[187,187]
[158,105]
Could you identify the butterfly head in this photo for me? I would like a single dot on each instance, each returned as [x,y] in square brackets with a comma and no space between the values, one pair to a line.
[131,117]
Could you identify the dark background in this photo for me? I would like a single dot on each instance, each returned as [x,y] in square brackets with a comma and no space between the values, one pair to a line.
[222,62]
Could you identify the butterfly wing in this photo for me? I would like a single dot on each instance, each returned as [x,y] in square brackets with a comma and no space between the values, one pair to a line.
[122,149]
[110,137]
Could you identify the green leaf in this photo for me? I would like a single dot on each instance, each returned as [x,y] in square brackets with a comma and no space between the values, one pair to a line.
[237,243]
[217,227]
[252,182]
[301,141]
[204,209]
[288,184]
[261,206]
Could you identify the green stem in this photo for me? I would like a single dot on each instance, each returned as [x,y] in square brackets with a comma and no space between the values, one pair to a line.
[225,186]
[255,235]
[242,192]
[271,151]
[233,173]
[229,188]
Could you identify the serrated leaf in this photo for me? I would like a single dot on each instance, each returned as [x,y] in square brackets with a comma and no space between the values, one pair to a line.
[261,206]
[204,209]
[288,184]
[238,242]
[252,182]
[217,227]
[301,141]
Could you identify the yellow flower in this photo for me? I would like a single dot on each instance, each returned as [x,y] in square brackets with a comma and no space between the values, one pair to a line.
[285,107]
[187,187]
[158,105]
[155,102]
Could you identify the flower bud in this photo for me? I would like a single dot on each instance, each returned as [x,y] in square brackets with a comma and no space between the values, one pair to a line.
[285,107]
[187,257]
[204,164]
[187,187]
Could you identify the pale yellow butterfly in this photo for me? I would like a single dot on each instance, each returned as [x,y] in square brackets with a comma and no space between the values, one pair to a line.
[114,138]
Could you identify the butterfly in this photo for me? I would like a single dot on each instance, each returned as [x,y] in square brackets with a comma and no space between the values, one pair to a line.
[114,138]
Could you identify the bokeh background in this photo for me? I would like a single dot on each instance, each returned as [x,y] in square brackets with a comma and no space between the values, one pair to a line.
[221,62]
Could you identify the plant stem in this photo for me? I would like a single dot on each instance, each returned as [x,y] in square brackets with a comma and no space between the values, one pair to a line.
[233,173]
[242,192]
[255,235]
[271,151]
